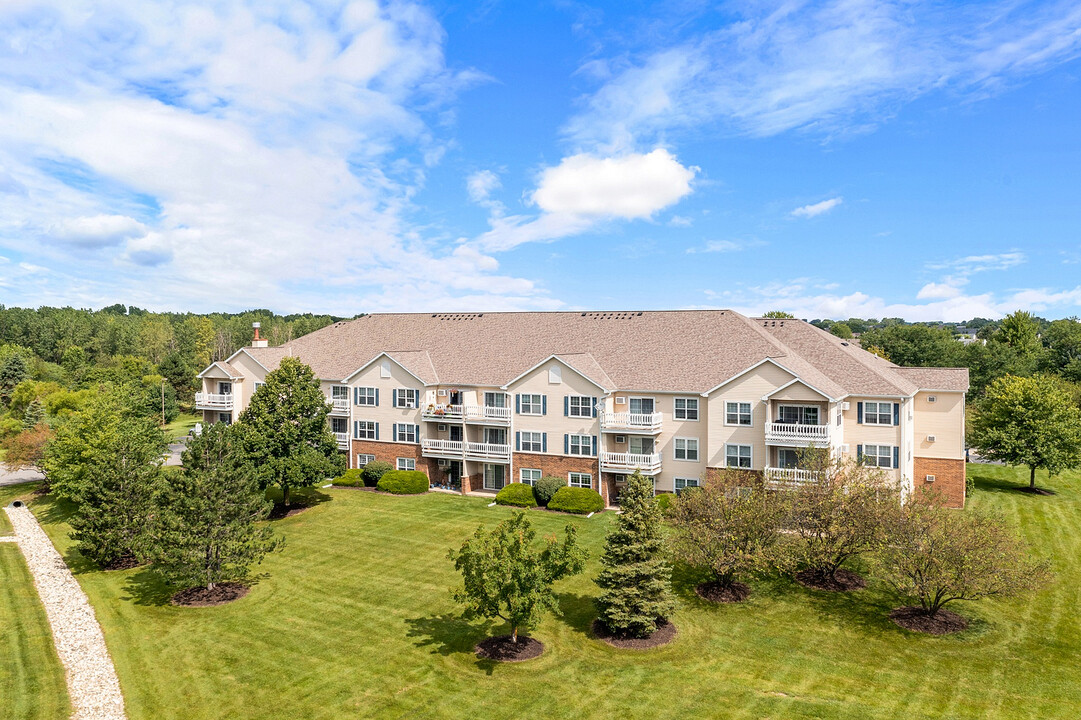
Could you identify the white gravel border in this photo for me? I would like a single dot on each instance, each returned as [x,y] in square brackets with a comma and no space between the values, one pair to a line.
[93,687]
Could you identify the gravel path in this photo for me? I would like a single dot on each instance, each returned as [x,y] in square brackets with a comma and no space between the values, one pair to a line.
[92,683]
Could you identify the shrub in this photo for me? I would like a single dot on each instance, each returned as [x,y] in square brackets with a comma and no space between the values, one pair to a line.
[664,501]
[351,478]
[403,482]
[517,494]
[546,487]
[580,501]
[375,470]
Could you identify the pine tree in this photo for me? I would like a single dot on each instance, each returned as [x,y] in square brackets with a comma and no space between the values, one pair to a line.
[34,415]
[636,591]
[205,531]
[12,372]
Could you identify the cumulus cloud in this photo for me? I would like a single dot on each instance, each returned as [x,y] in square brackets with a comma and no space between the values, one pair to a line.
[96,231]
[810,211]
[938,291]
[481,184]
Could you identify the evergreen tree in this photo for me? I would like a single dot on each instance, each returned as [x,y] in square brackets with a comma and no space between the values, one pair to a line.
[206,529]
[34,415]
[284,433]
[13,371]
[636,591]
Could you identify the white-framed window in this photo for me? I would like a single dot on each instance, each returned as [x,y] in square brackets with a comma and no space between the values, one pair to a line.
[365,396]
[225,388]
[686,449]
[579,406]
[682,483]
[407,463]
[787,458]
[406,398]
[642,405]
[577,479]
[878,413]
[531,404]
[641,445]
[339,392]
[579,445]
[226,418]
[532,441]
[840,415]
[878,455]
[365,430]
[529,475]
[495,476]
[339,425]
[737,413]
[737,456]
[364,458]
[405,432]
[257,386]
[685,408]
[797,415]
[495,399]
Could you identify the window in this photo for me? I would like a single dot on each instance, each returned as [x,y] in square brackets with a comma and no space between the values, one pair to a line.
[737,456]
[406,433]
[384,369]
[531,404]
[407,463]
[840,415]
[339,425]
[687,449]
[737,413]
[225,388]
[406,398]
[555,375]
[682,483]
[531,442]
[364,430]
[339,392]
[797,415]
[878,413]
[687,409]
[787,458]
[584,480]
[529,475]
[640,445]
[580,406]
[878,455]
[258,385]
[225,418]
[365,396]
[579,445]
[493,399]
[495,476]
[363,459]
[641,406]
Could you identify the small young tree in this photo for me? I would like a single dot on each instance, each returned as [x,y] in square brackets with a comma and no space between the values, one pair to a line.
[506,577]
[284,434]
[729,528]
[937,556]
[636,591]
[205,531]
[1028,421]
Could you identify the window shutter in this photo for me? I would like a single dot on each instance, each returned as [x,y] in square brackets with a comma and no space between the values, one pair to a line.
[416,433]
[859,453]
[518,403]
[566,406]
[566,444]
[394,432]
[594,406]
[394,397]
[356,429]
[594,446]
[377,430]
[897,457]
[859,413]
[897,413]
[544,404]
[356,396]
[517,441]
[544,442]
[377,396]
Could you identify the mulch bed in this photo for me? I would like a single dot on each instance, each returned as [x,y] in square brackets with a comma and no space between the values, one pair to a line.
[124,563]
[715,592]
[663,635]
[503,649]
[201,597]
[1036,491]
[286,511]
[915,619]
[841,581]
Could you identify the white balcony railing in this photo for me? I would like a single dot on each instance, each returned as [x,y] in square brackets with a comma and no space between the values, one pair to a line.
[339,406]
[442,413]
[487,451]
[487,413]
[213,401]
[631,422]
[442,447]
[790,476]
[343,440]
[629,462]
[793,434]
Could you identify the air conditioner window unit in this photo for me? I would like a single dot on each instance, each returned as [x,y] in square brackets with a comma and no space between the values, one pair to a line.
[441,393]
[444,463]
[845,406]
[844,448]
[621,438]
[442,427]
[931,438]
[621,401]
[932,398]
[929,478]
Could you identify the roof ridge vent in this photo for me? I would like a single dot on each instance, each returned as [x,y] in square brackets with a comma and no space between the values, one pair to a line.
[612,315]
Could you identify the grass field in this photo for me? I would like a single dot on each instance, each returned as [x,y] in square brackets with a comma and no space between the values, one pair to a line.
[355,619]
[180,427]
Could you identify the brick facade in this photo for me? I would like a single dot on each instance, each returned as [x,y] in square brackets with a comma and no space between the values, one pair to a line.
[949,478]
[559,466]
[390,452]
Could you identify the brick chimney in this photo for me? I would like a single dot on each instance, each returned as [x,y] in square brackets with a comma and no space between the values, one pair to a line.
[257,341]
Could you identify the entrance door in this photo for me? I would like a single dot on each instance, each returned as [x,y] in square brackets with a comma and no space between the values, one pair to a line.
[495,436]
[495,476]
[642,406]
[456,433]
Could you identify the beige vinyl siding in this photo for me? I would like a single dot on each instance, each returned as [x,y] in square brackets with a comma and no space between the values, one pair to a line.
[857,434]
[553,421]
[670,430]
[750,387]
[798,392]
[385,413]
[945,419]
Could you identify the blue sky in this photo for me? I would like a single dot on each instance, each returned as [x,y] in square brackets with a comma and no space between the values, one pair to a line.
[830,159]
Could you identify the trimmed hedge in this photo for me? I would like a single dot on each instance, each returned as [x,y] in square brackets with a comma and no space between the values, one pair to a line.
[516,494]
[580,501]
[375,470]
[547,487]
[404,482]
[351,478]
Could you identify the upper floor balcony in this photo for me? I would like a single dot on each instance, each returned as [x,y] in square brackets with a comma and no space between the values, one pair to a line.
[797,434]
[649,464]
[339,406]
[470,413]
[343,440]
[453,449]
[629,422]
[213,401]
[487,451]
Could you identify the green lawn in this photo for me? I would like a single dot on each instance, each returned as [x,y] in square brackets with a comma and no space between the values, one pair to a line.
[355,619]
[179,428]
[31,677]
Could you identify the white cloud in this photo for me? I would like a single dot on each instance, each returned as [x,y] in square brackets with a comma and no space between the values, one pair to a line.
[680,221]
[724,246]
[810,211]
[481,184]
[980,263]
[96,231]
[938,291]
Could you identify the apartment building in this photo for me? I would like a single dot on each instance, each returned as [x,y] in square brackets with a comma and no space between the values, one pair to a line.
[478,400]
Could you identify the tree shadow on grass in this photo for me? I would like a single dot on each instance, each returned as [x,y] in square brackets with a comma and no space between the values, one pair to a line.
[299,499]
[579,612]
[988,483]
[147,588]
[453,635]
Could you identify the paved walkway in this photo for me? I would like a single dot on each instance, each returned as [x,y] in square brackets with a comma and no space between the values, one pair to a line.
[14,477]
[92,683]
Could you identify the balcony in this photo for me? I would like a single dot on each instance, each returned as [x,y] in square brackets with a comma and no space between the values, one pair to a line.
[487,451]
[631,422]
[629,462]
[444,413]
[343,440]
[793,434]
[212,401]
[790,477]
[442,448]
[487,414]
[339,406]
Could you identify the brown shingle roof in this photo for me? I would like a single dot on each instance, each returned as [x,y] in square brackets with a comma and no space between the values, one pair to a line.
[928,378]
